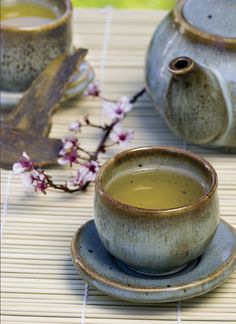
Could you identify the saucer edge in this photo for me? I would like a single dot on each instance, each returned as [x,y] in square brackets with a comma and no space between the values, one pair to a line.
[155,295]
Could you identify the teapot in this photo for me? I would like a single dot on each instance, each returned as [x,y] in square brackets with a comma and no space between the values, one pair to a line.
[191,72]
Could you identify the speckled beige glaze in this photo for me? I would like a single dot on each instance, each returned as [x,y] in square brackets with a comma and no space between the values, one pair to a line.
[199,104]
[156,241]
[26,52]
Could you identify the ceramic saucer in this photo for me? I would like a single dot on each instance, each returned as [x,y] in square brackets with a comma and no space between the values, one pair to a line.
[78,83]
[99,268]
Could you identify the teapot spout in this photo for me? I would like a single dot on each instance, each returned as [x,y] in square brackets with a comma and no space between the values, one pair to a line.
[181,66]
[196,107]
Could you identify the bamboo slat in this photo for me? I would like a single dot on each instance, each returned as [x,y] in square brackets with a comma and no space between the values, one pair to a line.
[39,282]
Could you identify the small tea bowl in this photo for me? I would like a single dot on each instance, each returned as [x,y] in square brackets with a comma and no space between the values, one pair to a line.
[156,241]
[26,51]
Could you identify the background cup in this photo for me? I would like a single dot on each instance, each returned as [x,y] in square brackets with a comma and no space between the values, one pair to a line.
[25,52]
[156,240]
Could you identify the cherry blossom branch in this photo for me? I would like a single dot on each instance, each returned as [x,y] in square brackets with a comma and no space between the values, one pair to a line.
[89,123]
[101,146]
[70,154]
[86,152]
[64,188]
[137,96]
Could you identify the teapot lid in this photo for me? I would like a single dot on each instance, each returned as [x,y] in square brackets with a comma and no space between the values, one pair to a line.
[209,20]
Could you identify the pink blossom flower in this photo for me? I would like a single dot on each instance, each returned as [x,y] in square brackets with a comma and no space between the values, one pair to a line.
[68,157]
[79,179]
[35,179]
[121,136]
[86,173]
[27,178]
[92,168]
[23,165]
[70,143]
[75,126]
[92,90]
[119,109]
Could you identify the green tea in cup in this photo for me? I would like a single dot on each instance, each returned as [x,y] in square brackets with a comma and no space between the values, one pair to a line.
[155,188]
[27,14]
[156,208]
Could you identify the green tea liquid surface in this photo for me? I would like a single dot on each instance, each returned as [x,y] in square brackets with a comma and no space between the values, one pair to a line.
[156,188]
[25,14]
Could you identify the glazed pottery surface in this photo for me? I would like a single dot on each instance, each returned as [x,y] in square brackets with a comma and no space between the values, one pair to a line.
[25,52]
[156,240]
[100,269]
[191,72]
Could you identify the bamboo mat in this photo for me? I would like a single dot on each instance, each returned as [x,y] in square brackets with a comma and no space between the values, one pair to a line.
[39,282]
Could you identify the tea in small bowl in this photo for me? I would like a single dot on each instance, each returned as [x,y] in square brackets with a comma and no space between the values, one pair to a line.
[27,15]
[156,188]
[33,33]
[156,208]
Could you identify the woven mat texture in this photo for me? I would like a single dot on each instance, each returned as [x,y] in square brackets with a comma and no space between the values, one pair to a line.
[39,282]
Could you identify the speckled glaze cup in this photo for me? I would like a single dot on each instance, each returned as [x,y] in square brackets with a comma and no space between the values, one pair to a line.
[156,241]
[25,52]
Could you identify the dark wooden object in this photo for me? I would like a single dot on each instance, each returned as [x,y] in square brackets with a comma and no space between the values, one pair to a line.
[28,126]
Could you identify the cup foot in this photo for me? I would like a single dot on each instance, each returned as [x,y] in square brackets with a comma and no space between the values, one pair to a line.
[167,273]
[187,267]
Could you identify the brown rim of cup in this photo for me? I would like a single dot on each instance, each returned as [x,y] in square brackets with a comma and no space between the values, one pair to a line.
[51,25]
[167,149]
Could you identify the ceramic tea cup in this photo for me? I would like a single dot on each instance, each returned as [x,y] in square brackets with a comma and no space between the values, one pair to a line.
[156,241]
[26,50]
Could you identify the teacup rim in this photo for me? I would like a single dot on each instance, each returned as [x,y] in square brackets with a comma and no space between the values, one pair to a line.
[185,208]
[51,25]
